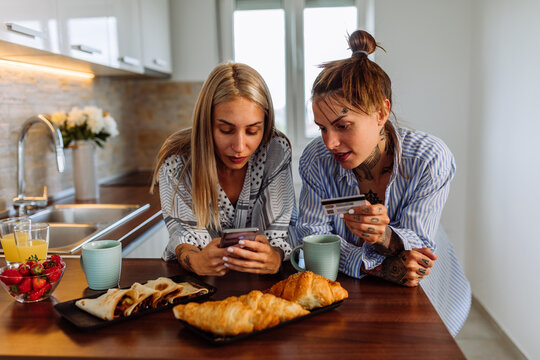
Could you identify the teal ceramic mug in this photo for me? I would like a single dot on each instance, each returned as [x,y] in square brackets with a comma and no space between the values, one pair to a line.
[101,262]
[321,255]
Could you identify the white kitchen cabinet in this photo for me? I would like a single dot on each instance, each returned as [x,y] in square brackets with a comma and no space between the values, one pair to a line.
[155,35]
[150,245]
[105,37]
[124,35]
[30,23]
[84,27]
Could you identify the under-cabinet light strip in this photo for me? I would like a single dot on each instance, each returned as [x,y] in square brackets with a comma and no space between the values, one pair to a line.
[48,69]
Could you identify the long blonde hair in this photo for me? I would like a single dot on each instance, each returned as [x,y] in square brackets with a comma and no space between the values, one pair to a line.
[225,83]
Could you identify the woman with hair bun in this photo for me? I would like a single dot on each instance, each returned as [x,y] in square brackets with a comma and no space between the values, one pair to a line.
[405,175]
[230,170]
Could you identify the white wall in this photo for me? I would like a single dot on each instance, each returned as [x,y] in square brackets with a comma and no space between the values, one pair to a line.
[505,167]
[469,72]
[194,39]
[428,59]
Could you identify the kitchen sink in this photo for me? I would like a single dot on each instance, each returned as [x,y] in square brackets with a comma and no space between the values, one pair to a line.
[65,237]
[73,225]
[86,213]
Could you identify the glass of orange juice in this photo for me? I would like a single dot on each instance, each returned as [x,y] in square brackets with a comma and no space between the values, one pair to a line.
[32,241]
[7,237]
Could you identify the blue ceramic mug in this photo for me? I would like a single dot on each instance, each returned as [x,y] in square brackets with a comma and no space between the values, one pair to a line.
[101,262]
[321,255]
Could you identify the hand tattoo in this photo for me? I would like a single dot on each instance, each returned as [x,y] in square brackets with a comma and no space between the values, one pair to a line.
[185,260]
[187,263]
[391,269]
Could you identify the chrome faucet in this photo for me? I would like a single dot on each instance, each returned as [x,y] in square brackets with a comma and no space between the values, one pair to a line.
[26,202]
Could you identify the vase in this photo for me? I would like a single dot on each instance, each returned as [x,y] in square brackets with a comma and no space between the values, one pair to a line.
[84,170]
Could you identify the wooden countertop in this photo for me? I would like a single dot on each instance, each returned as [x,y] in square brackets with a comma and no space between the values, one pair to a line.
[378,321]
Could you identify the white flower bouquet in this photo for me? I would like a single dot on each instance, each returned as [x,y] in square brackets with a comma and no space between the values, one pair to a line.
[88,123]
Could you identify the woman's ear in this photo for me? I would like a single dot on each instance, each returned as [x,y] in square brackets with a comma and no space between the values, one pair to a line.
[385,113]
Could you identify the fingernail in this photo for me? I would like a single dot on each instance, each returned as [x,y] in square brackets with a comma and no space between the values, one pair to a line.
[225,259]
[226,265]
[230,249]
[341,216]
[351,211]
[241,242]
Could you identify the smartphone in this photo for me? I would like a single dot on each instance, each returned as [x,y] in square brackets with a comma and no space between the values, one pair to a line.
[230,237]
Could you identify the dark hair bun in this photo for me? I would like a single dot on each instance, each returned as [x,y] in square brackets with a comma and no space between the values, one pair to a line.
[361,40]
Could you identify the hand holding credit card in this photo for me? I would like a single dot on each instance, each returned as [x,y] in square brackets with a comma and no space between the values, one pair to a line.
[341,205]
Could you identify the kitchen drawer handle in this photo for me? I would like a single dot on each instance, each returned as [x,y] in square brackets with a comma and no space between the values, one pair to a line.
[86,49]
[25,31]
[130,61]
[160,62]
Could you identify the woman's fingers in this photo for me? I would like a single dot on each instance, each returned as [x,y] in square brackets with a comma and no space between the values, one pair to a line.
[412,257]
[427,252]
[418,263]
[256,256]
[368,222]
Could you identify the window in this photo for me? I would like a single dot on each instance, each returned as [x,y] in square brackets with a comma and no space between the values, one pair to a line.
[325,34]
[265,51]
[286,40]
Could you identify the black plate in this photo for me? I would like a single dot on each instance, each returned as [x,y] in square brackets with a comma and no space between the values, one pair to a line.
[85,321]
[221,340]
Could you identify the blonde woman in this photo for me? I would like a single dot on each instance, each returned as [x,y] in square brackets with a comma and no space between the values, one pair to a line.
[231,169]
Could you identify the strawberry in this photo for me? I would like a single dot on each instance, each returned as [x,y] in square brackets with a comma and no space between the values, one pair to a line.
[30,263]
[24,287]
[24,269]
[53,273]
[36,294]
[47,287]
[12,277]
[38,282]
[37,269]
[57,259]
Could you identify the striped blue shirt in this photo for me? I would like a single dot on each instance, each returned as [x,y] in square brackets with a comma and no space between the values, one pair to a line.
[414,202]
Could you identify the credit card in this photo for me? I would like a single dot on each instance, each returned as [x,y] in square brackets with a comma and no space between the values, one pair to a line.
[341,205]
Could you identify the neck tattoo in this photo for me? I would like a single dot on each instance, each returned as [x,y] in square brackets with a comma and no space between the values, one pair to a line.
[363,171]
[389,150]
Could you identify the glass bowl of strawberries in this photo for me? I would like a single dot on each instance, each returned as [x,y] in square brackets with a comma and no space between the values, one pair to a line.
[32,280]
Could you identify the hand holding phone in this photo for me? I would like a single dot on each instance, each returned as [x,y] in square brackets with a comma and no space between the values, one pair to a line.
[230,237]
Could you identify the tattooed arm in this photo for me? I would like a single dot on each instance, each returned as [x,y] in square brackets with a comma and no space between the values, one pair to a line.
[208,261]
[390,243]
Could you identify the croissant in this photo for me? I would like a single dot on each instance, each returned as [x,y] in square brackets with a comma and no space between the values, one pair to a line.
[285,310]
[310,290]
[225,317]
